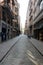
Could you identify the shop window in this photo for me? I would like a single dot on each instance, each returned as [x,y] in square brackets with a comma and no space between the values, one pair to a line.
[3,15]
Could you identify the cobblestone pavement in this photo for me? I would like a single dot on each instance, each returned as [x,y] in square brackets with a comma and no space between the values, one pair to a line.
[23,53]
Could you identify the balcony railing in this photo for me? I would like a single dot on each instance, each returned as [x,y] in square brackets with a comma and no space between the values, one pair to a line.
[31,17]
[38,14]
[38,17]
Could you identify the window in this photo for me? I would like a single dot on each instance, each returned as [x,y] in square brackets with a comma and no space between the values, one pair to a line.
[8,1]
[3,15]
[41,5]
[16,9]
[39,2]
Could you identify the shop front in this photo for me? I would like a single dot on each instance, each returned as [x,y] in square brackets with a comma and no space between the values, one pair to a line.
[30,30]
[38,30]
[3,33]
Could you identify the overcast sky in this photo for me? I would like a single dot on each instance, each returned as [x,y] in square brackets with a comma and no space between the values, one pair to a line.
[23,10]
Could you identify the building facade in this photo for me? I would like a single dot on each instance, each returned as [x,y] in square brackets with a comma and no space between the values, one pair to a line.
[27,23]
[8,19]
[35,16]
[38,20]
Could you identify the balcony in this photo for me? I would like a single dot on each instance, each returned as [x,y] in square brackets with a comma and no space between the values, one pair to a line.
[13,3]
[38,17]
[8,11]
[30,18]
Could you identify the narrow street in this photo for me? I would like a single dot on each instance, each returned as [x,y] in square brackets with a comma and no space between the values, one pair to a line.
[21,32]
[23,53]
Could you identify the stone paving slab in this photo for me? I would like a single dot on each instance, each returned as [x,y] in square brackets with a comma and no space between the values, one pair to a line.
[6,46]
[38,44]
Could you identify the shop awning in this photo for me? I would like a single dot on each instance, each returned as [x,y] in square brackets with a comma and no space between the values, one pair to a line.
[39,27]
